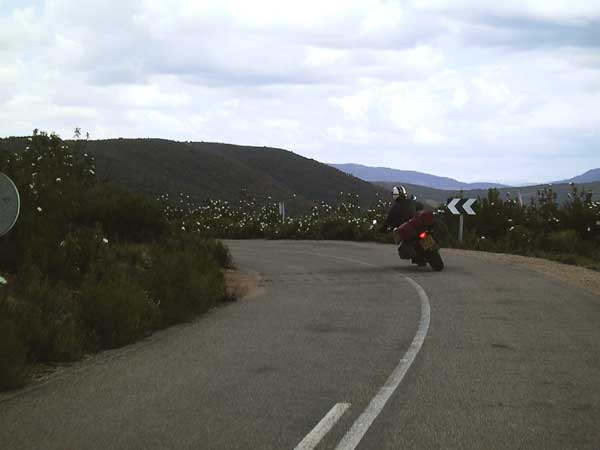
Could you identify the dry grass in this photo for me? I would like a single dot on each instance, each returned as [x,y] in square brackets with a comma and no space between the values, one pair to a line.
[240,284]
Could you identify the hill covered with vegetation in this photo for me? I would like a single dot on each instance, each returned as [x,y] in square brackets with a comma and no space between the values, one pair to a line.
[226,172]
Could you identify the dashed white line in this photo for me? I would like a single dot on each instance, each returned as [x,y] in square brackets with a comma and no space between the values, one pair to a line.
[313,438]
[360,427]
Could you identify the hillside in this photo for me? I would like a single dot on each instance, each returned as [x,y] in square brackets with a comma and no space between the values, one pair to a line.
[435,197]
[385,174]
[220,171]
[590,176]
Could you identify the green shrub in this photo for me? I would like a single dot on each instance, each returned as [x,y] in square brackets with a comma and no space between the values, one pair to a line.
[75,255]
[52,180]
[565,241]
[49,317]
[92,262]
[123,215]
[215,248]
[185,280]
[338,229]
[13,356]
[116,309]
[520,239]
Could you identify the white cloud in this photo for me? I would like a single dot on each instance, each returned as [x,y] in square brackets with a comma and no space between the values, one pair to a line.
[355,106]
[320,57]
[20,30]
[460,98]
[424,135]
[383,19]
[150,96]
[368,81]
[560,11]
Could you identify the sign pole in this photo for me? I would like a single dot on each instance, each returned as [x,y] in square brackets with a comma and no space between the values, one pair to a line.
[461,224]
[282,211]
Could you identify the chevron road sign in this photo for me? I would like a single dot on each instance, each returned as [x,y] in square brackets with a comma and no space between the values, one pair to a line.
[462,205]
[458,206]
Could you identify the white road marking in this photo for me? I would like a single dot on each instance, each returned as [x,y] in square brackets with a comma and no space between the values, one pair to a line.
[313,438]
[360,427]
[362,424]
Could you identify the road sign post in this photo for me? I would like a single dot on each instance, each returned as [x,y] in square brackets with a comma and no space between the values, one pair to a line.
[282,211]
[458,206]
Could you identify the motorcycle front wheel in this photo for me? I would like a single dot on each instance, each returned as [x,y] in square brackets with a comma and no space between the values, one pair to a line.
[435,260]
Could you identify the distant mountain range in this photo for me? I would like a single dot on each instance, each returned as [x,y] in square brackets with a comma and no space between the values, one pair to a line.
[385,174]
[590,176]
[436,197]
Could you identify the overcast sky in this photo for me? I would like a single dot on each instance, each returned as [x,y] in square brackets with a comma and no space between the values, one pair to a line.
[503,91]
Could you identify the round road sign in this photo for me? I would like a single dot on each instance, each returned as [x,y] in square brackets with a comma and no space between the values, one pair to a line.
[10,204]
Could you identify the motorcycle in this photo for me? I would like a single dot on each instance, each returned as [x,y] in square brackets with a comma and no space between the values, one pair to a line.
[417,241]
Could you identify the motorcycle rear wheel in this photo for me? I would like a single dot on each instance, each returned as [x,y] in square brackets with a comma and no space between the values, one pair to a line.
[435,260]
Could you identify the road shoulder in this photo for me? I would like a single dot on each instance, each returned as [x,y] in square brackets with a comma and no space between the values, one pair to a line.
[572,275]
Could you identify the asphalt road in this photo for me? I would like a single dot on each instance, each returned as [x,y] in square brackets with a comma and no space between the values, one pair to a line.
[510,359]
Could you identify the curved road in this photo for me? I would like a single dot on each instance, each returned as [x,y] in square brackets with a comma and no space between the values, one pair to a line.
[341,337]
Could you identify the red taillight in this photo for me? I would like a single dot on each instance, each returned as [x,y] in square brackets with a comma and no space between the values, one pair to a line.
[423,235]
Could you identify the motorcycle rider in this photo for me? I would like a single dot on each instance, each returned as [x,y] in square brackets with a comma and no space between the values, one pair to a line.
[403,209]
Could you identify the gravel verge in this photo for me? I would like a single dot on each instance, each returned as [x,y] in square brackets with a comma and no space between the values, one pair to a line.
[573,275]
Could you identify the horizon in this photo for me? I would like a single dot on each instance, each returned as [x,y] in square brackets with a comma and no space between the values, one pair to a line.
[518,183]
[515,184]
[471,90]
